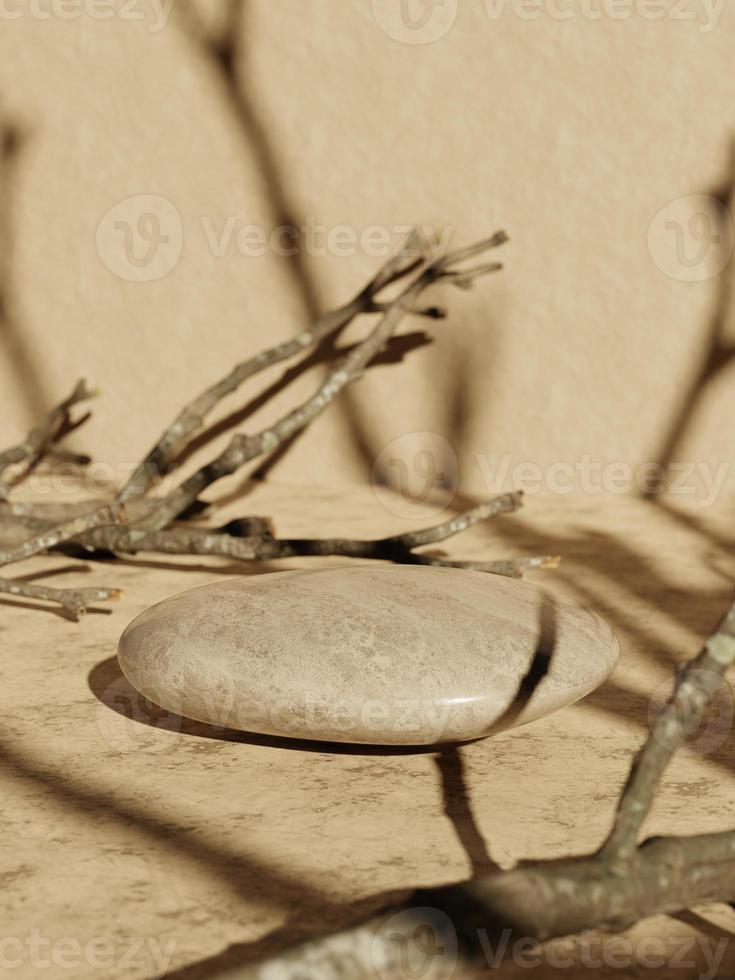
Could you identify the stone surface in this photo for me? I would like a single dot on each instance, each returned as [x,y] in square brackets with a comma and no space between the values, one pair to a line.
[368,654]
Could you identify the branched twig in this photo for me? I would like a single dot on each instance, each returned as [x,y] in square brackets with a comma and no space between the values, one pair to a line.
[624,882]
[182,540]
[245,448]
[57,535]
[508,567]
[159,525]
[175,438]
[505,503]
[74,601]
[42,440]
[681,717]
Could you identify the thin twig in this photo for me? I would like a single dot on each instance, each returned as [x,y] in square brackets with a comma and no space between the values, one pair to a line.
[55,536]
[182,540]
[191,418]
[74,601]
[680,718]
[245,448]
[42,439]
[505,503]
[508,567]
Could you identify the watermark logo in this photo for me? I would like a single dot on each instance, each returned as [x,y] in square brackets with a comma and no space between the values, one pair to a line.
[415,21]
[154,13]
[691,238]
[67,953]
[424,21]
[129,721]
[140,239]
[421,468]
[419,943]
[702,481]
[715,713]
[705,13]
[415,468]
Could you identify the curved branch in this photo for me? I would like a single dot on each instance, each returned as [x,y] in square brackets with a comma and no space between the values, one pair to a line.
[42,439]
[244,448]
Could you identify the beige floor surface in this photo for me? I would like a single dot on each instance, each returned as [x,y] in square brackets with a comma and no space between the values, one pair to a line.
[136,844]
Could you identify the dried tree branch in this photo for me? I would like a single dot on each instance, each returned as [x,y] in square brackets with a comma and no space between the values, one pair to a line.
[74,601]
[624,882]
[505,503]
[42,439]
[55,536]
[245,448]
[151,524]
[254,539]
[175,438]
[612,888]
[182,540]
[694,691]
[508,567]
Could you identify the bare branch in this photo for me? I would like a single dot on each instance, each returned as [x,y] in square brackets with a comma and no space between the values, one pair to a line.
[610,889]
[252,540]
[504,504]
[74,601]
[174,439]
[244,448]
[509,567]
[52,537]
[694,690]
[42,439]
[664,875]
[541,902]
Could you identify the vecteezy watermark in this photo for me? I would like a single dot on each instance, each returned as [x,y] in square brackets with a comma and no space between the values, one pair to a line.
[715,712]
[705,13]
[314,238]
[691,238]
[127,719]
[154,13]
[702,481]
[425,21]
[422,467]
[141,238]
[415,21]
[41,953]
[421,943]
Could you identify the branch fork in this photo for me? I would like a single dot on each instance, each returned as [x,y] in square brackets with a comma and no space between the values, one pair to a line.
[162,524]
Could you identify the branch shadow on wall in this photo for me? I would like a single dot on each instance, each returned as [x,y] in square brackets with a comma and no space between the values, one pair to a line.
[13,339]
[720,352]
[226,53]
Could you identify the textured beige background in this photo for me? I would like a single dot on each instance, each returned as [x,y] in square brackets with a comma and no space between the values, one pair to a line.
[572,134]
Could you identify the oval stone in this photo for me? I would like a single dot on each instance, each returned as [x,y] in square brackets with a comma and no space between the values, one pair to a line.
[380,654]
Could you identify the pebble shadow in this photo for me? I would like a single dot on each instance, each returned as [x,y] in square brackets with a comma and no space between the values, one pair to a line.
[110,686]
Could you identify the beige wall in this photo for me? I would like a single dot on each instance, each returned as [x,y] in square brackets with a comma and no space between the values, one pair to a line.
[570,133]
